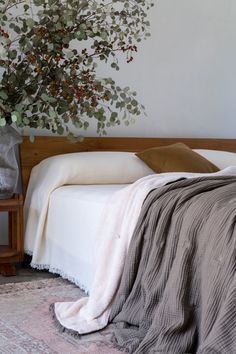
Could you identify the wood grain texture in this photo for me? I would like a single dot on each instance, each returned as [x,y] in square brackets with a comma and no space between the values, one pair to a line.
[44,147]
[14,252]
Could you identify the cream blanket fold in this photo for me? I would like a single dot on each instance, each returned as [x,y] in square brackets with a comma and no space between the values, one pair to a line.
[91,313]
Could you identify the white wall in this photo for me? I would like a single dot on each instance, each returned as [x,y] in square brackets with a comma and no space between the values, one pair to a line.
[186,73]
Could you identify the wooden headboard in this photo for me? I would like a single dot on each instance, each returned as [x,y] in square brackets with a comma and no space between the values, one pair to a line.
[43,147]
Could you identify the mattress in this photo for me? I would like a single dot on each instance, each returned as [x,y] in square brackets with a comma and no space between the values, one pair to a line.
[72,225]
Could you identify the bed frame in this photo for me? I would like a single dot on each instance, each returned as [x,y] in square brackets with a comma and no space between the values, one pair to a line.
[43,147]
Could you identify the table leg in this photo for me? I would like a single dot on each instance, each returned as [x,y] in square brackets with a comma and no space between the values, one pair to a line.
[7,269]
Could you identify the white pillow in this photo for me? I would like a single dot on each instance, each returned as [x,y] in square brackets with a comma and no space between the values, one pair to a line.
[108,167]
[221,159]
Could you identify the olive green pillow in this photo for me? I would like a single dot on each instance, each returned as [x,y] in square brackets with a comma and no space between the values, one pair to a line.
[176,158]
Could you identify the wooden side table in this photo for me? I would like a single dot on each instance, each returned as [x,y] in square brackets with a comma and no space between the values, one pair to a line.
[14,252]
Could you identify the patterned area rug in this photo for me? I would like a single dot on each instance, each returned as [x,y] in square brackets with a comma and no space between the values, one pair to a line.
[26,326]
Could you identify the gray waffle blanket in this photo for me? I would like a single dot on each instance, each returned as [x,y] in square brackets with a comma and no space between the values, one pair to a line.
[178,290]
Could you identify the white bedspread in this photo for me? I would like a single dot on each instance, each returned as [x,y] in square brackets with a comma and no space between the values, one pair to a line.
[92,313]
[74,215]
[77,168]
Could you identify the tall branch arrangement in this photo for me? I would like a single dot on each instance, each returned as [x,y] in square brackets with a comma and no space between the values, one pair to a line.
[50,51]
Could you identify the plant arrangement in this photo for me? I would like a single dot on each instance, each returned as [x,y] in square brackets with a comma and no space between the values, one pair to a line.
[50,51]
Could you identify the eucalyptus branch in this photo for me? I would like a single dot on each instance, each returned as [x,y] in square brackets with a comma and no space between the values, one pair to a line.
[48,83]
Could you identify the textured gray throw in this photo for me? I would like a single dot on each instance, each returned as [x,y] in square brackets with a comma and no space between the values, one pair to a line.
[178,290]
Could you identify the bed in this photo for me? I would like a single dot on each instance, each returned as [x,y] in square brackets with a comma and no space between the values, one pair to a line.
[61,220]
[74,211]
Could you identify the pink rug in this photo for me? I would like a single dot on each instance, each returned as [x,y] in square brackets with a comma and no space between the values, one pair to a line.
[27,327]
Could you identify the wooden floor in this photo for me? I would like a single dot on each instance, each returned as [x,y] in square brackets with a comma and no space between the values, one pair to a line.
[26,273]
